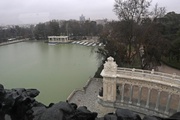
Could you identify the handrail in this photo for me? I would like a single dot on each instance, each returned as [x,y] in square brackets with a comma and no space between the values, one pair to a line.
[171,80]
[148,72]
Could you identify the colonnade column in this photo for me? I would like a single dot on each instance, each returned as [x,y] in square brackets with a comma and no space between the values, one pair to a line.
[131,93]
[178,109]
[105,86]
[148,97]
[168,103]
[139,96]
[158,100]
[122,93]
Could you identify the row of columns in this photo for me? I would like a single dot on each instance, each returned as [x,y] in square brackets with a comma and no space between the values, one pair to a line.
[167,107]
[109,75]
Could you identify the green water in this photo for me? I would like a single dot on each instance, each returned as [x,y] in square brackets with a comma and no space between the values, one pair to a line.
[54,70]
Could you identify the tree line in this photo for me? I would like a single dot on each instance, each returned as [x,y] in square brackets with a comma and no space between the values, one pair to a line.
[15,32]
[73,28]
[69,28]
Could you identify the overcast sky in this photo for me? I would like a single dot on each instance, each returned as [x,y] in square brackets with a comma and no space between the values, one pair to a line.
[34,11]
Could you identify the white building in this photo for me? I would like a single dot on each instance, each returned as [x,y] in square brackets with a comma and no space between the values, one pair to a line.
[101,21]
[82,18]
[58,39]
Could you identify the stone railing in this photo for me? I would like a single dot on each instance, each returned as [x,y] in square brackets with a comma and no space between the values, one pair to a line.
[149,75]
[143,91]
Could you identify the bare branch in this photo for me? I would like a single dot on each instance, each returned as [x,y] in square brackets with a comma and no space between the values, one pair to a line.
[133,10]
[158,12]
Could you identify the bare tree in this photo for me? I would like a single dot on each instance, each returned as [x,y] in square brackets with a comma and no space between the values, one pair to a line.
[136,29]
[158,12]
[134,10]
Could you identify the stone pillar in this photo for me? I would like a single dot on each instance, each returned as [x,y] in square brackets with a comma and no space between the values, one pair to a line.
[158,100]
[131,94]
[122,93]
[148,98]
[178,107]
[109,74]
[139,96]
[168,103]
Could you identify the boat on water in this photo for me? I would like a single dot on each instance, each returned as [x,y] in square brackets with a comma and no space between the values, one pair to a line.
[89,44]
[94,44]
[52,43]
[81,43]
[85,43]
[100,44]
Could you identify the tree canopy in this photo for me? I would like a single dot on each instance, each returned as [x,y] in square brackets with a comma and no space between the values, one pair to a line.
[133,40]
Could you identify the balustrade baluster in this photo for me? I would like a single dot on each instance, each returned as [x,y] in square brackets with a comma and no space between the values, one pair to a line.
[139,96]
[131,93]
[148,98]
[158,100]
[122,93]
[168,103]
[178,109]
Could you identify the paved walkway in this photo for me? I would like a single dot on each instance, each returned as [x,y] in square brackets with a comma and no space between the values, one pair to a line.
[12,42]
[89,98]
[167,69]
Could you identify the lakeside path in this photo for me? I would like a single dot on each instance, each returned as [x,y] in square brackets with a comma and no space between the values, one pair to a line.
[167,69]
[12,42]
[88,97]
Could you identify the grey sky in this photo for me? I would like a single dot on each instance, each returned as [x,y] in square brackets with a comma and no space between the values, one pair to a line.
[34,11]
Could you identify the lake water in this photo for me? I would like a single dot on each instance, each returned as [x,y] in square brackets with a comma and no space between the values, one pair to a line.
[54,70]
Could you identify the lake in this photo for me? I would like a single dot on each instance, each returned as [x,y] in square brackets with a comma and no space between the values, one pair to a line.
[54,70]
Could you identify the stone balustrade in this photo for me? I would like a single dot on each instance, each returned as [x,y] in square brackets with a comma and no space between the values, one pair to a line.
[149,75]
[143,91]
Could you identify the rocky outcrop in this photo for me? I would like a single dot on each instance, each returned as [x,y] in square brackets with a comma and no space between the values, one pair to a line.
[17,103]
[63,111]
[20,104]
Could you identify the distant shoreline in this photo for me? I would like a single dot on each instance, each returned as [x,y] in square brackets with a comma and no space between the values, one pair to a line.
[12,42]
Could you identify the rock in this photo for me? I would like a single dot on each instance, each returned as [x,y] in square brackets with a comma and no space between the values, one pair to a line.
[17,103]
[123,114]
[63,111]
[147,117]
[51,113]
[83,109]
[32,93]
[82,113]
[110,116]
[175,116]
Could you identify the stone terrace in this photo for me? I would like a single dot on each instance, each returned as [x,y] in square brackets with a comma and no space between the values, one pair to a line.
[88,97]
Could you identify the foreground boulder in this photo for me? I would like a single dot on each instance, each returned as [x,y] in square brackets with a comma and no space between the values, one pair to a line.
[17,103]
[63,111]
[125,114]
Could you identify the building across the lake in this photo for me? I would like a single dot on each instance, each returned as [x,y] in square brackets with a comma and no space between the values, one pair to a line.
[58,39]
[82,18]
